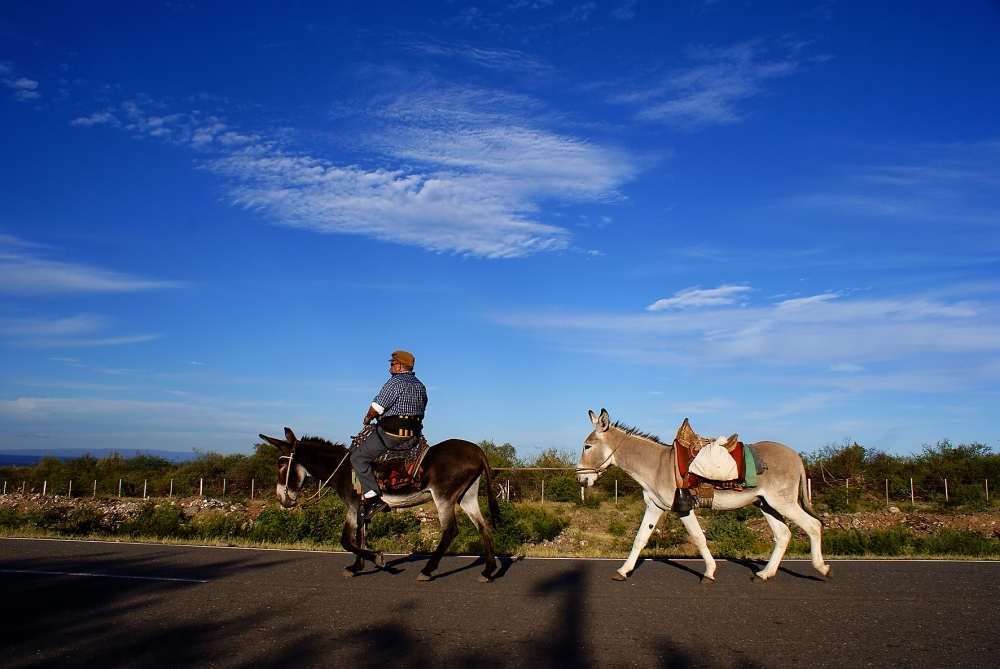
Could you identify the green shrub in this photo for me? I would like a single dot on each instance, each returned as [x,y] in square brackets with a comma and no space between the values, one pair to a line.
[216,525]
[617,527]
[385,525]
[517,525]
[953,542]
[730,537]
[82,520]
[155,520]
[9,519]
[895,541]
[562,488]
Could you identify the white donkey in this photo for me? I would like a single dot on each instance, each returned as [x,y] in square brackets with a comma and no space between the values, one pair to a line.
[779,493]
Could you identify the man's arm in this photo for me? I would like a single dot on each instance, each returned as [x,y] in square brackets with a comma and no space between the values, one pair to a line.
[372,413]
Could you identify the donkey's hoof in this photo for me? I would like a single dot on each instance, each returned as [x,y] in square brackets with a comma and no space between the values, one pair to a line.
[424,577]
[348,574]
[619,576]
[829,572]
[707,580]
[379,560]
[483,578]
[757,578]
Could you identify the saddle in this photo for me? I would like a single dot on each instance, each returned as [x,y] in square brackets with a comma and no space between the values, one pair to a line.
[399,467]
[687,444]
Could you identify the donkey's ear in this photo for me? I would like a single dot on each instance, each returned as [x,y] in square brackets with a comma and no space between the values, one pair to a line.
[283,445]
[593,418]
[602,422]
[290,436]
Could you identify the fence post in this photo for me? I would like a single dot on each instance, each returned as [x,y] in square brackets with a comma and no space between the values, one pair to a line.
[581,493]
[171,488]
[987,491]
[145,484]
[946,490]
[201,487]
[70,492]
[847,484]
[911,493]
[887,492]
[45,487]
[23,483]
[543,491]
[119,487]
[251,488]
[223,487]
[95,488]
[809,488]
[5,489]
[616,491]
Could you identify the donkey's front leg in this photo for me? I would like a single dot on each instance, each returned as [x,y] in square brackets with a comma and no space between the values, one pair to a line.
[649,521]
[690,522]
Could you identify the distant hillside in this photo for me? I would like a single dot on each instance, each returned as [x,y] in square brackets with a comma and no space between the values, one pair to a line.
[29,457]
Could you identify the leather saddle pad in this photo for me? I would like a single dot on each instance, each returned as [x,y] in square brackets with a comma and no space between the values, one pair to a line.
[400,467]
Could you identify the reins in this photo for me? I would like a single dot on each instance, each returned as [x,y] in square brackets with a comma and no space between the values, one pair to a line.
[603,467]
[288,472]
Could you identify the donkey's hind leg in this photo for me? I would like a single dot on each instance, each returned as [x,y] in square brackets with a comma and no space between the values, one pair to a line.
[449,528]
[779,528]
[814,528]
[470,504]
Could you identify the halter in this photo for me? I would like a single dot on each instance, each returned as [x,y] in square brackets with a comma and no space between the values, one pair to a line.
[288,472]
[603,467]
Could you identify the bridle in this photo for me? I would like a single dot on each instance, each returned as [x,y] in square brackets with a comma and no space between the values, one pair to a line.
[288,472]
[603,467]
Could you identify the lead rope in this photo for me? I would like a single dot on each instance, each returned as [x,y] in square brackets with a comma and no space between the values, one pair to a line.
[328,479]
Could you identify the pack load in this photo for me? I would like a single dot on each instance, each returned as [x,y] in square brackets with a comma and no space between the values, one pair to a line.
[705,465]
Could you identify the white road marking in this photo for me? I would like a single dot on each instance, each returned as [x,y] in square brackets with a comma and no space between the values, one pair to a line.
[81,573]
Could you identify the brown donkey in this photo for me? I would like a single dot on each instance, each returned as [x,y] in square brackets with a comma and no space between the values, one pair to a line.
[451,474]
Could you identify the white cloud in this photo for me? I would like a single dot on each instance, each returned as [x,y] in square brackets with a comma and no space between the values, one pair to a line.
[706,92]
[827,332]
[23,273]
[478,175]
[694,297]
[625,10]
[945,183]
[453,170]
[73,325]
[97,118]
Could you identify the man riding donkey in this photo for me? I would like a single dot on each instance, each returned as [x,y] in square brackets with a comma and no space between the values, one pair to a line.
[399,407]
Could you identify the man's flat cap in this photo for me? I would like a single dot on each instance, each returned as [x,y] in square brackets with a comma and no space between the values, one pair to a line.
[402,357]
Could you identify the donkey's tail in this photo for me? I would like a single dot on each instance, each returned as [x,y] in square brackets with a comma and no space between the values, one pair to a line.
[491,494]
[804,493]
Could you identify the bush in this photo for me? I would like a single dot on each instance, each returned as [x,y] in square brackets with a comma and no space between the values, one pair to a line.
[155,520]
[83,520]
[517,525]
[730,537]
[562,488]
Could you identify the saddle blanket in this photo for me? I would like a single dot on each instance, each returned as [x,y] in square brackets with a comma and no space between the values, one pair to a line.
[688,444]
[398,467]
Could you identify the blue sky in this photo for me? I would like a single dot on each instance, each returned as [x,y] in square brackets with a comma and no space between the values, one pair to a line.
[776,218]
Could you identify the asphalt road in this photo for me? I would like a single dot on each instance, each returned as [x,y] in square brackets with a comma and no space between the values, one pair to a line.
[229,607]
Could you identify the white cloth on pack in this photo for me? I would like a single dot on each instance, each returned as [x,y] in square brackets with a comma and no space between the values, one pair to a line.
[714,462]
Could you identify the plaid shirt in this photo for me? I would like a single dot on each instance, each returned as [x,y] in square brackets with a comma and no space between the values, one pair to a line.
[402,395]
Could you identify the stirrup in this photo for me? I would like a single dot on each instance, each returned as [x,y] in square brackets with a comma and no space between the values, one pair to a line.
[371,506]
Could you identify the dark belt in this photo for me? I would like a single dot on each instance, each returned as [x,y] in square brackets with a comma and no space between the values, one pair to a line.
[401,427]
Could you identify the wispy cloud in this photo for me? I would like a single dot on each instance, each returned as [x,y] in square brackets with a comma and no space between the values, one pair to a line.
[27,273]
[464,170]
[68,332]
[24,89]
[828,332]
[936,183]
[707,91]
[695,297]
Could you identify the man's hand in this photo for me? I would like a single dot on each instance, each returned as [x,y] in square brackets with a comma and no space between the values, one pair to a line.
[371,414]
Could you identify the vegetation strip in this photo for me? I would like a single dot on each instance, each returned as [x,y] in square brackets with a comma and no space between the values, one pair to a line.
[83,573]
